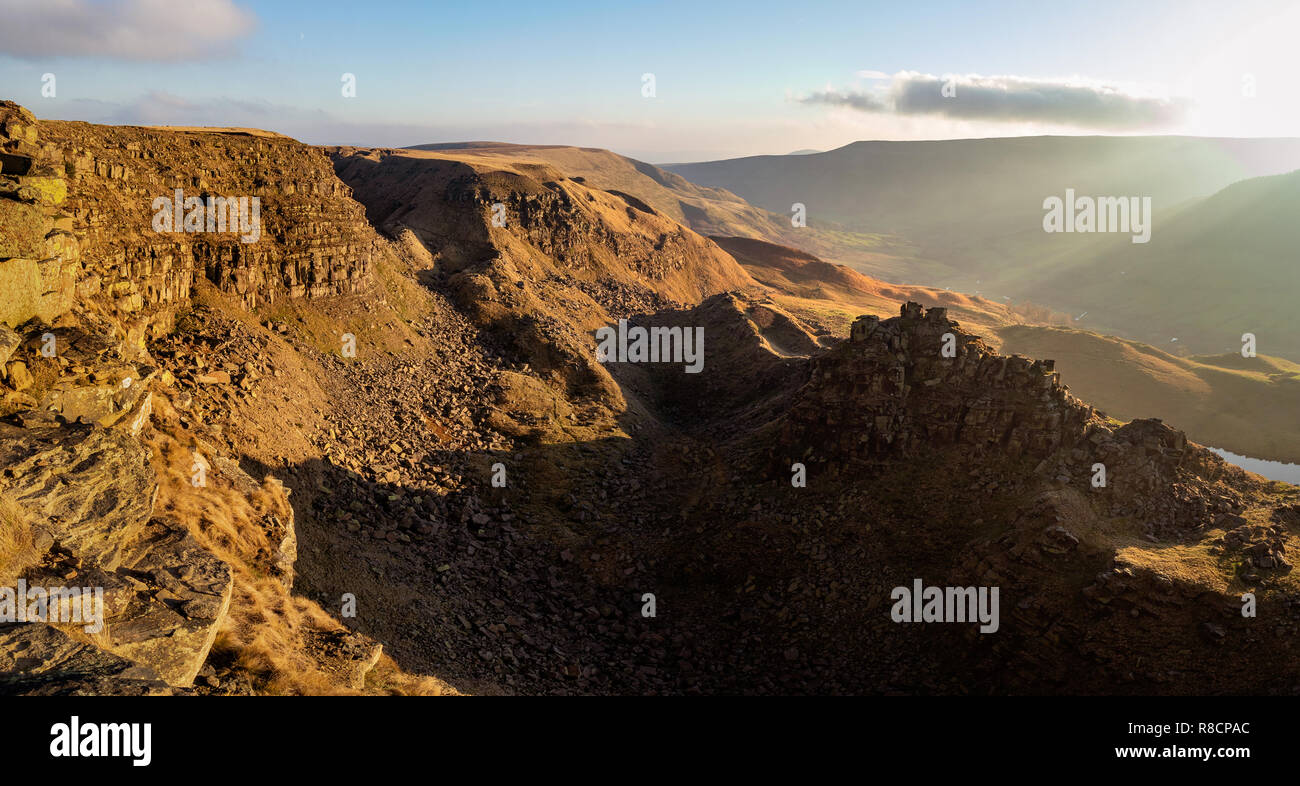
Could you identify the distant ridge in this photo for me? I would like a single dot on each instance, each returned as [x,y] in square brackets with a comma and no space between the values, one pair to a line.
[975,205]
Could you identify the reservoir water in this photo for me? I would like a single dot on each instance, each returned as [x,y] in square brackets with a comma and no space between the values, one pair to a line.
[1273,470]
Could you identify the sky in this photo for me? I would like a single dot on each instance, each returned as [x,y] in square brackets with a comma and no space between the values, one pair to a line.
[663,82]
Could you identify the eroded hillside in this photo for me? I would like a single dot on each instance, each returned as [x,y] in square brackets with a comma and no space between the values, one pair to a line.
[111,479]
[404,438]
[708,211]
[1246,405]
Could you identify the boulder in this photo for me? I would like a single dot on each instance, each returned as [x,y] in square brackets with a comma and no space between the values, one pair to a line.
[183,596]
[20,281]
[349,655]
[89,493]
[39,659]
[23,228]
[19,377]
[91,489]
[9,341]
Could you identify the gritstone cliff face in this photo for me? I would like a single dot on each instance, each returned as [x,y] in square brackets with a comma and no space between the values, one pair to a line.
[99,489]
[86,195]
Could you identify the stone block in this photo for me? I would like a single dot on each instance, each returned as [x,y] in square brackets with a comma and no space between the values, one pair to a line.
[21,289]
[23,228]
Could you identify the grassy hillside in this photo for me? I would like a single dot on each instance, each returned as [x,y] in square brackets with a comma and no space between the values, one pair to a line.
[1249,406]
[707,210]
[831,295]
[971,209]
[1221,267]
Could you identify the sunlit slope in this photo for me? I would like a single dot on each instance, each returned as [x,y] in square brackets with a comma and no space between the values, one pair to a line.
[1249,406]
[707,210]
[975,205]
[561,225]
[831,295]
[1221,267]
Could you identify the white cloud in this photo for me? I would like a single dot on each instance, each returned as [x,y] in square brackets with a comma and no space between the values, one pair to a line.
[138,30]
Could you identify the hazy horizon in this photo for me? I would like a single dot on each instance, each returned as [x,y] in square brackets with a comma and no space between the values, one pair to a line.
[876,73]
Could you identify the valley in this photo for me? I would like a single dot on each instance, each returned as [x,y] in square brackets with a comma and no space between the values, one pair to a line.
[348,536]
[972,213]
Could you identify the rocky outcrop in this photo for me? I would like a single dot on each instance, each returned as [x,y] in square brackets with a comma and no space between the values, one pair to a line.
[918,380]
[38,252]
[41,660]
[89,493]
[79,204]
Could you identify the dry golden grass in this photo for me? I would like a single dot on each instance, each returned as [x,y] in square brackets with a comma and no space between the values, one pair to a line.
[387,678]
[220,130]
[16,550]
[266,634]
[1201,565]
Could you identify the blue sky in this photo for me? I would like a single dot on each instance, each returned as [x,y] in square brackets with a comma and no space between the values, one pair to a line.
[731,78]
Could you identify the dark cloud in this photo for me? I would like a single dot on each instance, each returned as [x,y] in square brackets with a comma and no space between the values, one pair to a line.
[1013,99]
[861,101]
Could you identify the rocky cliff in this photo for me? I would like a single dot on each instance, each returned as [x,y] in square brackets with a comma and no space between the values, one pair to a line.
[87,196]
[536,257]
[919,382]
[102,483]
